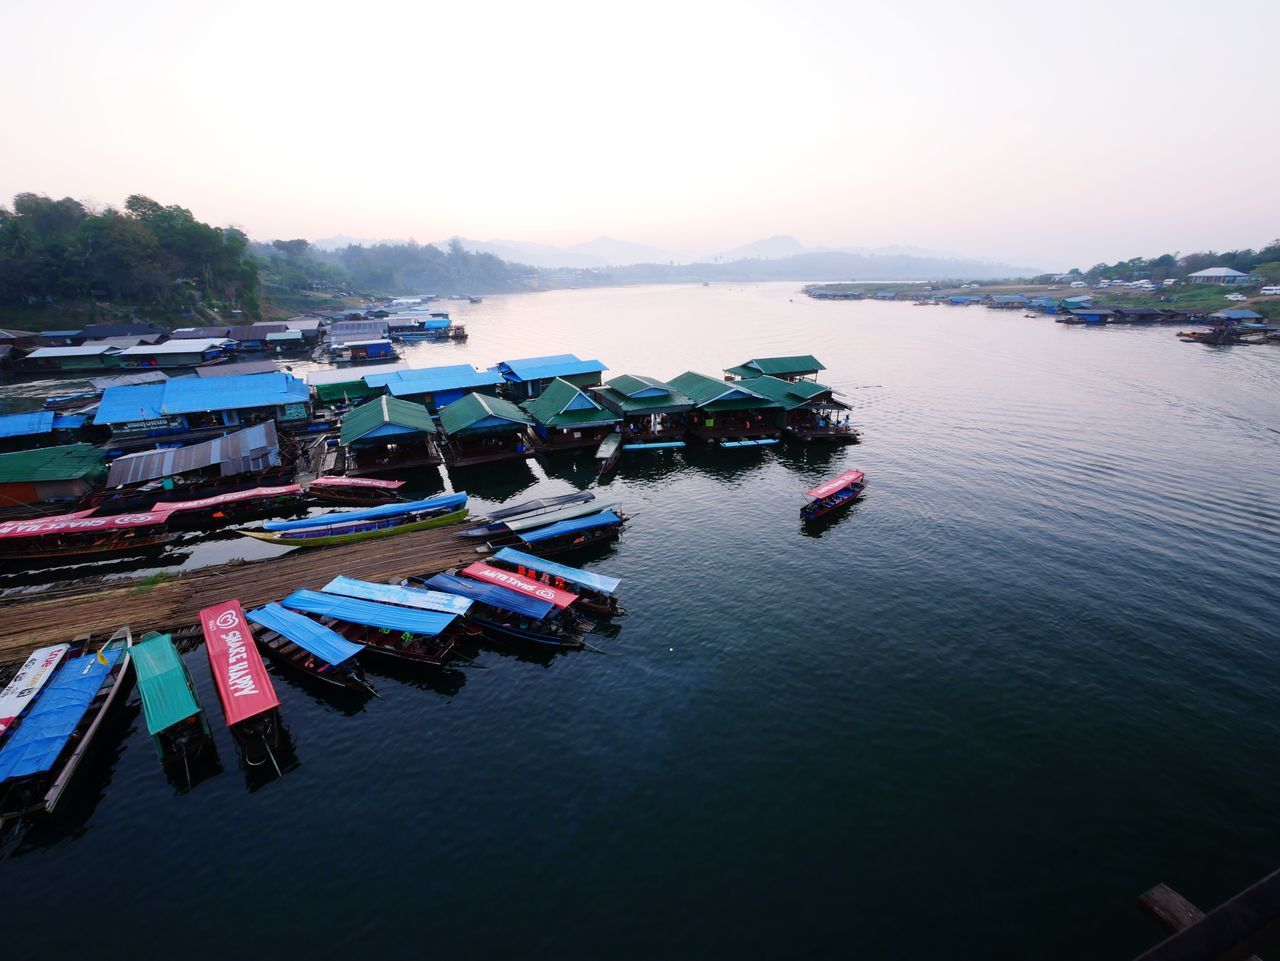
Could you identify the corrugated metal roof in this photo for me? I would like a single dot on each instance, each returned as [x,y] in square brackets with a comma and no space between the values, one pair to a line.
[240,369]
[171,347]
[199,333]
[68,462]
[1218,272]
[561,405]
[787,394]
[187,395]
[777,366]
[385,410]
[252,449]
[85,350]
[706,391]
[125,380]
[27,424]
[468,411]
[544,368]
[431,380]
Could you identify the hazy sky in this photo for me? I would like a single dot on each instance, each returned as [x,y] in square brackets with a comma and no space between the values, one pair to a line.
[1041,134]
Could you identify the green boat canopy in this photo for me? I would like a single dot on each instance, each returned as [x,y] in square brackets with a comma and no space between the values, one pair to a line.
[162,682]
[384,417]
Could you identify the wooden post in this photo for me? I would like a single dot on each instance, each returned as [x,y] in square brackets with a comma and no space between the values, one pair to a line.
[1230,932]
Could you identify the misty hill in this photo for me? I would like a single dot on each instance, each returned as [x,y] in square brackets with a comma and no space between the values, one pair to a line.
[771,248]
[601,252]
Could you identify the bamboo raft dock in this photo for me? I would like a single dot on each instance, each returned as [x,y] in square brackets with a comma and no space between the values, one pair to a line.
[30,620]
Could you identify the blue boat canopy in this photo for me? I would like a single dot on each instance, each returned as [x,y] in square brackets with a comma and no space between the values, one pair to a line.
[314,638]
[394,594]
[603,519]
[492,594]
[39,739]
[574,575]
[370,613]
[449,501]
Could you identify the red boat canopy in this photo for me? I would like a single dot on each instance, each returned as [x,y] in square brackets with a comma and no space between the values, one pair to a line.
[356,482]
[521,585]
[243,684]
[254,494]
[79,523]
[827,488]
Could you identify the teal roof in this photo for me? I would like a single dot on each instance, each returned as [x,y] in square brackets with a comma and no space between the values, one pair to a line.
[564,405]
[69,462]
[788,394]
[383,411]
[777,366]
[478,412]
[630,394]
[717,395]
[162,682]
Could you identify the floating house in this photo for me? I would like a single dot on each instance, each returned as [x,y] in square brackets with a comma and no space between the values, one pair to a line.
[528,377]
[99,331]
[287,339]
[126,380]
[190,404]
[1083,300]
[566,417]
[652,411]
[800,367]
[436,387]
[348,331]
[1236,316]
[387,435]
[1091,315]
[725,410]
[83,357]
[479,429]
[257,336]
[50,474]
[886,295]
[254,450]
[1137,315]
[38,428]
[806,410]
[309,327]
[60,338]
[176,353]
[1008,301]
[238,368]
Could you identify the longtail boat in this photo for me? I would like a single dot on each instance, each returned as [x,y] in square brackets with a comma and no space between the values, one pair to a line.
[513,607]
[47,745]
[249,701]
[311,648]
[422,636]
[532,513]
[21,691]
[608,454]
[568,535]
[833,496]
[172,712]
[348,527]
[82,537]
[596,592]
[356,491]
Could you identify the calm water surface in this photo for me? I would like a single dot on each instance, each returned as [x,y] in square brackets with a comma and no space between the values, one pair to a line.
[1032,674]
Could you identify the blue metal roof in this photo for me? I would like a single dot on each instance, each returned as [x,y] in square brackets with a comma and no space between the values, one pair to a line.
[327,645]
[69,421]
[603,519]
[431,380]
[27,424]
[39,739]
[545,368]
[370,613]
[188,395]
[369,513]
[395,594]
[491,594]
[574,575]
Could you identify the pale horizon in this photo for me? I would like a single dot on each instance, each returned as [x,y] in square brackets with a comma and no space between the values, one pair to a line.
[1036,137]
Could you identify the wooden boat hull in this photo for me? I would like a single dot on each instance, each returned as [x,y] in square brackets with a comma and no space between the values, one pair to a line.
[345,677]
[67,555]
[335,539]
[831,510]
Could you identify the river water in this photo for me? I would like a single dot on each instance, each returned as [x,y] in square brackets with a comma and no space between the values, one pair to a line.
[1033,673]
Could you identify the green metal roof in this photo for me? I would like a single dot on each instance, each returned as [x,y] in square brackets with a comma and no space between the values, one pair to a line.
[382,411]
[470,411]
[789,395]
[564,405]
[162,682]
[715,395]
[629,394]
[69,462]
[777,366]
[345,390]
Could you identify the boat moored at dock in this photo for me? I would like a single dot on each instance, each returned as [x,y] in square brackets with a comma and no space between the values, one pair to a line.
[596,592]
[833,496]
[310,648]
[349,527]
[173,715]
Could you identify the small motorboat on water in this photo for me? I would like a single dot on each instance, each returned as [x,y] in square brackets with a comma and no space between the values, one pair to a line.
[349,527]
[833,496]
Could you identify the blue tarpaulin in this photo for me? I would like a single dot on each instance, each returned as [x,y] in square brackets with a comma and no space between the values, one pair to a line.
[317,639]
[446,501]
[574,575]
[394,594]
[603,519]
[39,739]
[492,595]
[370,613]
[26,425]
[189,395]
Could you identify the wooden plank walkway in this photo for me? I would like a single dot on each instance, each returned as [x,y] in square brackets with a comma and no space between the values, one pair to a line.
[29,621]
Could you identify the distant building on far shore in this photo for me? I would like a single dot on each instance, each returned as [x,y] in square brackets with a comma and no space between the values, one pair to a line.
[1219,275]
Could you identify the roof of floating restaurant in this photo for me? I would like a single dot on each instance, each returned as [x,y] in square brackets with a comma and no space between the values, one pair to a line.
[37,742]
[162,682]
[252,449]
[449,501]
[418,598]
[629,394]
[26,425]
[129,380]
[175,347]
[544,368]
[590,522]
[399,416]
[241,368]
[573,575]
[564,405]
[186,395]
[85,350]
[369,613]
[316,639]
[492,595]
[69,462]
[777,366]
[790,394]
[432,380]
[714,394]
[473,410]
